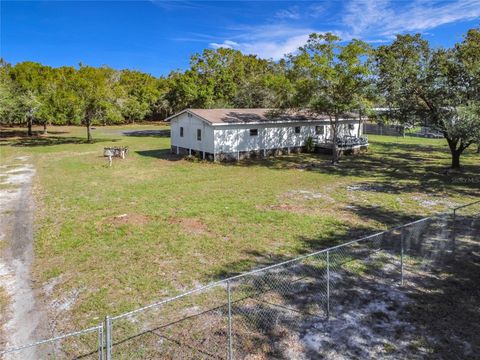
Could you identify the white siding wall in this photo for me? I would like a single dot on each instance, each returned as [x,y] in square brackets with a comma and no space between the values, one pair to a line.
[345,130]
[189,140]
[236,137]
[233,138]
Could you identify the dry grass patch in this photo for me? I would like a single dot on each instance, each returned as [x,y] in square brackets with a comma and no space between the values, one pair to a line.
[297,209]
[192,226]
[128,219]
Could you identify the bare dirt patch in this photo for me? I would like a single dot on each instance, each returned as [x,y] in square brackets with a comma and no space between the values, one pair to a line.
[298,209]
[128,219]
[21,324]
[193,226]
[304,195]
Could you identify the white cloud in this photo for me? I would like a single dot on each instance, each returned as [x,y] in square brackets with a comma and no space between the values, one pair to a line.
[274,49]
[226,44]
[316,10]
[267,41]
[375,21]
[290,13]
[386,18]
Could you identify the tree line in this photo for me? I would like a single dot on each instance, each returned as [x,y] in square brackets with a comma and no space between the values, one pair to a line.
[32,93]
[414,81]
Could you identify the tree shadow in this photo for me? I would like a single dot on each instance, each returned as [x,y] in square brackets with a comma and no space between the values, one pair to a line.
[13,133]
[269,306]
[53,140]
[387,218]
[445,308]
[399,171]
[147,133]
[164,154]
[258,260]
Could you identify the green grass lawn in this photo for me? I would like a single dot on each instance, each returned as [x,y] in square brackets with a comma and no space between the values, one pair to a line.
[188,223]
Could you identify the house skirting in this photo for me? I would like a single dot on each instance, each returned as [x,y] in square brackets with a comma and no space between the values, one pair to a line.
[239,155]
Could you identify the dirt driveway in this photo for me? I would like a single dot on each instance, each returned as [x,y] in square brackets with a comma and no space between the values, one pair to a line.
[19,324]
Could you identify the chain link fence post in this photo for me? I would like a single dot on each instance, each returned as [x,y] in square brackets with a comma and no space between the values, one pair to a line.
[229,294]
[100,342]
[108,338]
[328,285]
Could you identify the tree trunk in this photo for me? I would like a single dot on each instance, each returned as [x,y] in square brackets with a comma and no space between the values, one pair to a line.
[359,123]
[478,149]
[29,126]
[45,128]
[452,144]
[456,159]
[89,132]
[334,142]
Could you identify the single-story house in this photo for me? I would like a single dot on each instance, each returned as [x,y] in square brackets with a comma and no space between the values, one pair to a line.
[234,134]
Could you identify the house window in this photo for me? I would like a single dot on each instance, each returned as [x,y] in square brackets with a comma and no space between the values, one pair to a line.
[351,126]
[297,129]
[253,132]
[181,131]
[199,134]
[320,130]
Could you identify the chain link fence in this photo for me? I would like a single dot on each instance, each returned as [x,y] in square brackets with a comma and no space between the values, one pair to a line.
[85,344]
[256,313]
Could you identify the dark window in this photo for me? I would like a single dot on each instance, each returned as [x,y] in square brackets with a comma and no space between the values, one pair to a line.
[351,126]
[320,130]
[199,135]
[297,129]
[181,131]
[253,132]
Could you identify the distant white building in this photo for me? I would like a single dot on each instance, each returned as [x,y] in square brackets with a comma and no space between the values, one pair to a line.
[234,134]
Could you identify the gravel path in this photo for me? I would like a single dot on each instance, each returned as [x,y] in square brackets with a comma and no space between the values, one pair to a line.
[16,242]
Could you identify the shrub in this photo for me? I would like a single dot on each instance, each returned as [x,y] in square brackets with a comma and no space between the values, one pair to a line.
[309,144]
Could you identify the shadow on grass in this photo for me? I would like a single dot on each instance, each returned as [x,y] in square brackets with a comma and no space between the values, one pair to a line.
[52,140]
[267,307]
[445,308]
[398,168]
[9,133]
[387,218]
[258,260]
[164,154]
[147,133]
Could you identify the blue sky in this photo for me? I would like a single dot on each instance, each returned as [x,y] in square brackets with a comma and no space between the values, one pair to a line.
[159,36]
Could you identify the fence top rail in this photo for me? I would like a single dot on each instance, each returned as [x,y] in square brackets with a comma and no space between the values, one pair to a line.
[466,205]
[56,338]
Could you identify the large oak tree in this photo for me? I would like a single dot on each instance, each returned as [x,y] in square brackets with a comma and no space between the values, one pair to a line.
[436,86]
[331,78]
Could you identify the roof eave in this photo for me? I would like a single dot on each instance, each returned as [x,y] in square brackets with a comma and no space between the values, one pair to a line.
[281,122]
[191,113]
